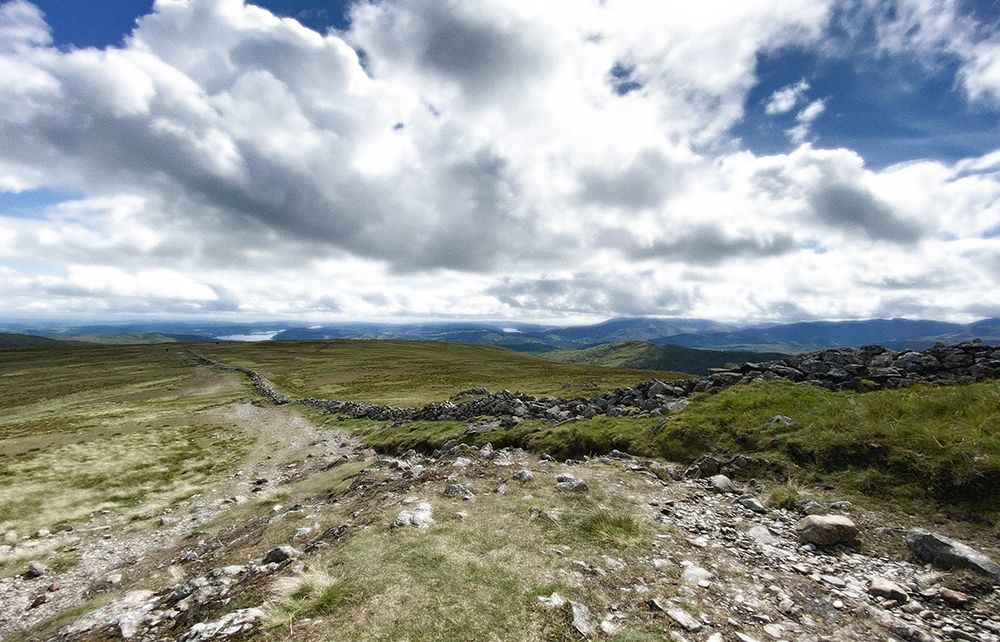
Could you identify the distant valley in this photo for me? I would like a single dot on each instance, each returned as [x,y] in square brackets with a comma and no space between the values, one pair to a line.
[678,344]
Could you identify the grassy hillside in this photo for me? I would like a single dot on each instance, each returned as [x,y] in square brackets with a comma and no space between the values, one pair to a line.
[88,428]
[166,472]
[647,356]
[139,338]
[940,444]
[16,341]
[414,372]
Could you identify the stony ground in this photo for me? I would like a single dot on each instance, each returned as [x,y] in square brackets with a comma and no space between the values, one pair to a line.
[315,538]
[710,563]
[110,548]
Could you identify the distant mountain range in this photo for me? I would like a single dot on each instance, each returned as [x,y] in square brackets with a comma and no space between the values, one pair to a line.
[691,333]
[813,335]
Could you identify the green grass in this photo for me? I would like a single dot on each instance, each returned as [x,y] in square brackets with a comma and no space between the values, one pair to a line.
[938,443]
[613,529]
[83,429]
[413,372]
[311,595]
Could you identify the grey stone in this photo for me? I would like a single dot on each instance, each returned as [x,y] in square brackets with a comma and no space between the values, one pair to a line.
[885,589]
[704,466]
[826,530]
[753,504]
[554,600]
[722,484]
[762,535]
[685,619]
[420,516]
[946,553]
[236,623]
[583,621]
[458,490]
[524,475]
[282,554]
[573,486]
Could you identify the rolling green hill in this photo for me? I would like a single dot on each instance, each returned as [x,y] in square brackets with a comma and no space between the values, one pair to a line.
[647,356]
[139,338]
[414,372]
[15,341]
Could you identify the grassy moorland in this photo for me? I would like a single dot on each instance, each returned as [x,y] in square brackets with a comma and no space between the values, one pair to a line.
[413,372]
[142,433]
[122,420]
[88,429]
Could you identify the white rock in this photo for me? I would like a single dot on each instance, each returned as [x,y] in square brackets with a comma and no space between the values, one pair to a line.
[235,623]
[554,600]
[420,516]
[583,621]
[685,619]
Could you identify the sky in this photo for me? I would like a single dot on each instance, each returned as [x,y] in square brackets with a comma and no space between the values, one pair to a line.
[763,160]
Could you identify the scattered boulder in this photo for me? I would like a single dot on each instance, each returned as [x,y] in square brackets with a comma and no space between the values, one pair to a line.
[953,598]
[762,535]
[883,588]
[458,490]
[524,475]
[946,553]
[568,482]
[826,530]
[685,619]
[722,484]
[420,516]
[36,569]
[125,614]
[583,621]
[704,466]
[752,503]
[282,554]
[235,623]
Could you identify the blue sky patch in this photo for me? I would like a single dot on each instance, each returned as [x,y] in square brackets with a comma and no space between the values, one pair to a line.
[887,110]
[32,203]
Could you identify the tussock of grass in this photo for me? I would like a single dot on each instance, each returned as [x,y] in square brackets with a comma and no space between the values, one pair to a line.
[783,496]
[314,594]
[614,529]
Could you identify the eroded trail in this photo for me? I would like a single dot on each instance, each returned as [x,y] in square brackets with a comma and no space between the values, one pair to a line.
[112,546]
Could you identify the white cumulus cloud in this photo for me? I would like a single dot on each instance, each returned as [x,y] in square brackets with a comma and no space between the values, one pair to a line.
[461,158]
